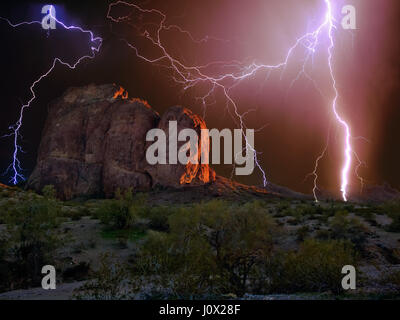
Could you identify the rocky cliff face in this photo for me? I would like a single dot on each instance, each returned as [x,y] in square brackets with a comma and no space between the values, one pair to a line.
[191,173]
[94,142]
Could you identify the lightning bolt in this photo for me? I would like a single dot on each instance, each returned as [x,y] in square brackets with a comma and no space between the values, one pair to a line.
[314,173]
[190,76]
[95,42]
[348,148]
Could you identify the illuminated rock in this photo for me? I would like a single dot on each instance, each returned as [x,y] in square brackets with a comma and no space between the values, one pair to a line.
[94,141]
[173,173]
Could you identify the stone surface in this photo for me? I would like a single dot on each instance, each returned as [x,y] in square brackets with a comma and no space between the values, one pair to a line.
[94,142]
[177,174]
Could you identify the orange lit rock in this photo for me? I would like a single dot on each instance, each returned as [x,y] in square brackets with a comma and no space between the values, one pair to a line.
[94,141]
[181,174]
[121,93]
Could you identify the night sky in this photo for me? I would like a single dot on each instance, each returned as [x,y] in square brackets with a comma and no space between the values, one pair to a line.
[294,121]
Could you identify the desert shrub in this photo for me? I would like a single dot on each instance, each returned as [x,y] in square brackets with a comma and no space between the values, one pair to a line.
[122,211]
[315,267]
[110,282]
[313,210]
[370,218]
[241,238]
[179,269]
[212,248]
[302,233]
[344,227]
[123,235]
[4,267]
[181,261]
[49,192]
[33,239]
[310,209]
[158,217]
[349,207]
[368,214]
[395,225]
[3,193]
[6,206]
[3,213]
[293,221]
[3,248]
[75,213]
[282,206]
[365,211]
[331,210]
[116,215]
[392,281]
[324,213]
[392,209]
[299,212]
[323,234]
[323,218]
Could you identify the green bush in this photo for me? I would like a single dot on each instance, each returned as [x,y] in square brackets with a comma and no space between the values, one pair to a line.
[121,212]
[392,209]
[110,282]
[49,192]
[301,212]
[116,214]
[392,280]
[282,207]
[4,267]
[158,217]
[32,228]
[211,248]
[344,227]
[75,213]
[315,267]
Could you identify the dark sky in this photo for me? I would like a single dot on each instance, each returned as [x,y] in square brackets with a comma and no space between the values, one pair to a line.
[296,121]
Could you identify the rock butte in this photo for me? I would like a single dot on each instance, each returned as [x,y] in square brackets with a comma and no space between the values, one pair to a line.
[94,141]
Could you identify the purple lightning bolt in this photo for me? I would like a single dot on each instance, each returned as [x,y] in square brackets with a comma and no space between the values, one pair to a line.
[96,42]
[189,76]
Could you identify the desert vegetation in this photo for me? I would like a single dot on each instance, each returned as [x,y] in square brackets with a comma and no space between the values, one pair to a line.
[131,246]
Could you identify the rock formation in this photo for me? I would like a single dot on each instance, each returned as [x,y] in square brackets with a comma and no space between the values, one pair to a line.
[94,141]
[191,173]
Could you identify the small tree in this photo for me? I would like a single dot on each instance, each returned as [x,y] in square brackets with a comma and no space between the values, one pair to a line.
[212,248]
[315,267]
[121,212]
[33,238]
[110,282]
